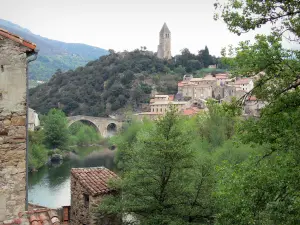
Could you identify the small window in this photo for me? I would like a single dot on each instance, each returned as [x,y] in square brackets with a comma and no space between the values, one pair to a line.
[86,200]
[2,68]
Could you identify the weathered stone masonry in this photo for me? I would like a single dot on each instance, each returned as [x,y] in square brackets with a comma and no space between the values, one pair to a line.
[13,68]
[88,187]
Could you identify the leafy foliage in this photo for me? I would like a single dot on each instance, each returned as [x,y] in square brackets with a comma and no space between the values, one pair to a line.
[37,152]
[263,189]
[82,134]
[244,15]
[167,168]
[56,131]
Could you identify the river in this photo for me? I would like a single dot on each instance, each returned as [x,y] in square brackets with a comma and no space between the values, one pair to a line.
[50,185]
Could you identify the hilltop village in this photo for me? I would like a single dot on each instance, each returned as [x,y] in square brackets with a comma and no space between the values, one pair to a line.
[193,93]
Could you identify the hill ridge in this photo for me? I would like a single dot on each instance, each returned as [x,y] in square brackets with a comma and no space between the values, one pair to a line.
[54,54]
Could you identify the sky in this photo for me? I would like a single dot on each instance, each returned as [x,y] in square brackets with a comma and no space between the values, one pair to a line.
[125,24]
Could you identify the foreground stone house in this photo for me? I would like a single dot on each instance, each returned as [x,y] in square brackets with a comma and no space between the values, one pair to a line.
[15,54]
[88,187]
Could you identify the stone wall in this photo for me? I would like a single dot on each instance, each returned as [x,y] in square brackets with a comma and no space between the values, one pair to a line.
[12,129]
[80,214]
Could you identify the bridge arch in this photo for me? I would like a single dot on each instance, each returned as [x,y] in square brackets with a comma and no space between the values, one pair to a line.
[85,120]
[105,126]
[111,129]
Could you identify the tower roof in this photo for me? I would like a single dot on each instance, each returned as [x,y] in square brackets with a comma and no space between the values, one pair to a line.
[165,29]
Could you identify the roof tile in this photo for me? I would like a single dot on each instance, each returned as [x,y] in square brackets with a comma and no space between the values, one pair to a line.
[17,39]
[41,216]
[94,179]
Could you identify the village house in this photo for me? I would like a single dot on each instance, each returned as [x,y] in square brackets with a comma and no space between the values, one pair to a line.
[244,84]
[149,115]
[197,88]
[15,54]
[88,187]
[221,78]
[163,106]
[191,111]
[253,106]
[33,119]
[161,98]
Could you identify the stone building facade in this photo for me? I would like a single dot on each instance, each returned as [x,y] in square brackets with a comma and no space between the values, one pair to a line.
[15,53]
[197,88]
[164,106]
[33,119]
[164,47]
[88,187]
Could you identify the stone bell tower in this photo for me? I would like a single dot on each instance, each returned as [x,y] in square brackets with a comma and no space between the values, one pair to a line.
[164,47]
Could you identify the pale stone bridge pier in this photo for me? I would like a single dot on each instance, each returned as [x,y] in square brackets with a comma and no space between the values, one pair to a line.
[105,126]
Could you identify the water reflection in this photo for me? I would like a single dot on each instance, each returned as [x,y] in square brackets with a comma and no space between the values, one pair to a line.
[50,186]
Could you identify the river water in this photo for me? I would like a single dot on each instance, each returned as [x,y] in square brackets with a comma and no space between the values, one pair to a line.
[50,186]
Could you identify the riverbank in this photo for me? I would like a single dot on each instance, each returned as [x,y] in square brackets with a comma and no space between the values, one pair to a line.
[57,156]
[50,185]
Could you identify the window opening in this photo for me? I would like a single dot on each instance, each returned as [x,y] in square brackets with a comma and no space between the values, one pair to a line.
[86,200]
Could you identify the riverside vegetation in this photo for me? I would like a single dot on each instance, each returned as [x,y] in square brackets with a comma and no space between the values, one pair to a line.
[56,138]
[217,168]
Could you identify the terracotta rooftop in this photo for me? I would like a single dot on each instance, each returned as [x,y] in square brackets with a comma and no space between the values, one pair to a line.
[180,84]
[221,76]
[252,98]
[243,81]
[171,97]
[43,216]
[94,179]
[17,39]
[190,111]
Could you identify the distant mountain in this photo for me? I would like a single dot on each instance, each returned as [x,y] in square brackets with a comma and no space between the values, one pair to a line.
[53,54]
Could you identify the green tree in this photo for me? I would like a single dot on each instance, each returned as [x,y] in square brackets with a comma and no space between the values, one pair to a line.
[259,193]
[242,16]
[37,153]
[204,57]
[263,190]
[56,130]
[165,179]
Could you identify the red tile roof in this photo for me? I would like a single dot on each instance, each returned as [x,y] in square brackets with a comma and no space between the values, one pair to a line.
[94,179]
[243,81]
[17,39]
[190,111]
[252,98]
[221,76]
[171,97]
[40,216]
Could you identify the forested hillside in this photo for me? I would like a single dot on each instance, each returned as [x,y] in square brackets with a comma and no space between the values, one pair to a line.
[53,54]
[114,82]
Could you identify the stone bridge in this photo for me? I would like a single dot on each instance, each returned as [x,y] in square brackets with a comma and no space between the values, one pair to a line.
[105,126]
